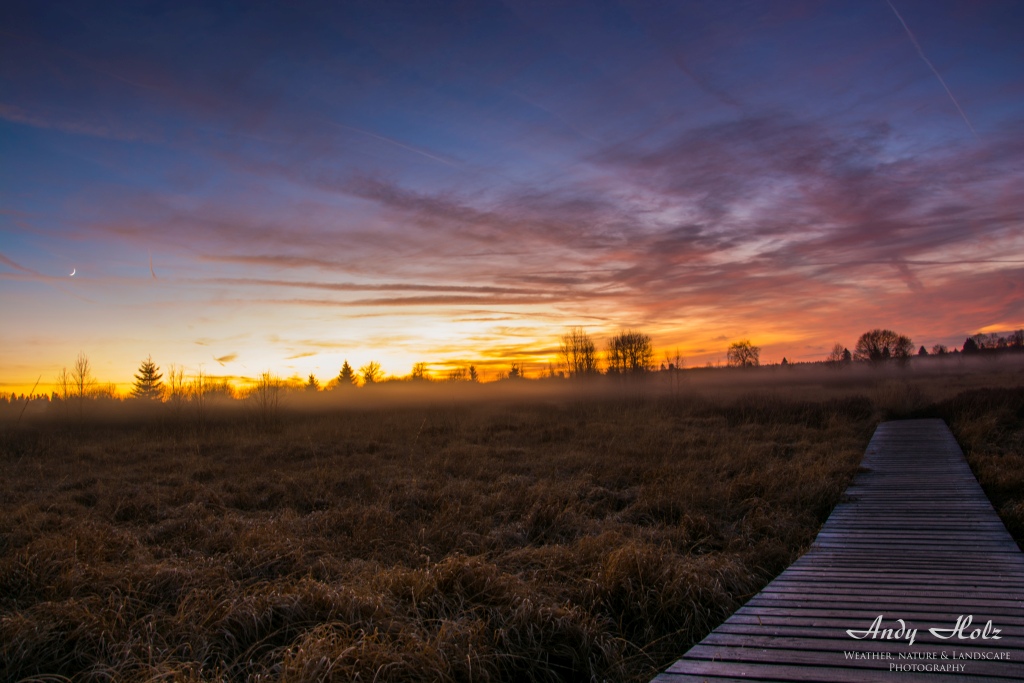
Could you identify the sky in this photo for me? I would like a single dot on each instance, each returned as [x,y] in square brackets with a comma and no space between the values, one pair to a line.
[281,186]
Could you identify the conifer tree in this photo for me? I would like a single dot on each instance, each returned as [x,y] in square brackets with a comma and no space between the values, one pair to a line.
[347,376]
[147,381]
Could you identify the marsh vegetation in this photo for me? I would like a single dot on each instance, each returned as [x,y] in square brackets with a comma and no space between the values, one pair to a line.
[519,536]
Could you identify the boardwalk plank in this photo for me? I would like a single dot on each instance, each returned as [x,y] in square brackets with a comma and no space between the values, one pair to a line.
[914,539]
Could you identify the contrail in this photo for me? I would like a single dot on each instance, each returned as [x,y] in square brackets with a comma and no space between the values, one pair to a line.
[932,67]
[394,142]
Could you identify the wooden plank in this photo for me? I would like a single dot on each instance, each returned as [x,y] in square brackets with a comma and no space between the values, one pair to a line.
[914,539]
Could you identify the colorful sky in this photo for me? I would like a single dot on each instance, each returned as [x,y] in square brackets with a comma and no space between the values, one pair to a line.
[252,186]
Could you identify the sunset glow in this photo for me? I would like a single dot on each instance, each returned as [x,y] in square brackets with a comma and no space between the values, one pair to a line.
[244,188]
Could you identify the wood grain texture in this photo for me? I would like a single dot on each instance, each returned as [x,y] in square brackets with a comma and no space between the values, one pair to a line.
[915,539]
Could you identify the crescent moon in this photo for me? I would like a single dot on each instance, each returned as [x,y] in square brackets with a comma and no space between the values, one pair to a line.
[72,272]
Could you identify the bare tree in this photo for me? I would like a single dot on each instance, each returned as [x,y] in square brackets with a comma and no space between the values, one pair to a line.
[82,381]
[743,354]
[579,353]
[980,341]
[838,356]
[419,372]
[177,391]
[674,368]
[371,372]
[64,388]
[880,345]
[199,389]
[265,397]
[630,352]
[106,391]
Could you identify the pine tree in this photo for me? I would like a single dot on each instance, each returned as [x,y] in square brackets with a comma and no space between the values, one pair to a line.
[147,381]
[347,376]
[312,385]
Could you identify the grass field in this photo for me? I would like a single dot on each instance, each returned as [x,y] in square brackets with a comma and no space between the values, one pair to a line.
[536,536]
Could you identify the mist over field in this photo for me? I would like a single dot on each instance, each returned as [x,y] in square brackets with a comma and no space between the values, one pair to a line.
[525,530]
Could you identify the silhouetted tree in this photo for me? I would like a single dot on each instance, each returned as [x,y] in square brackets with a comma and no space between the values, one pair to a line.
[630,351]
[419,372]
[198,392]
[458,375]
[675,372]
[371,372]
[473,375]
[147,381]
[579,353]
[64,390]
[515,371]
[939,350]
[922,351]
[347,376]
[82,381]
[1017,340]
[177,391]
[312,385]
[838,356]
[881,345]
[220,390]
[970,346]
[743,354]
[265,397]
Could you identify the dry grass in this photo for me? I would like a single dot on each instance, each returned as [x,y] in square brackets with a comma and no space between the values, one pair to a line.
[989,424]
[568,540]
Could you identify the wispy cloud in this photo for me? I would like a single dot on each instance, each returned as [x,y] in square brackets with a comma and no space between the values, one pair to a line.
[425,182]
[10,263]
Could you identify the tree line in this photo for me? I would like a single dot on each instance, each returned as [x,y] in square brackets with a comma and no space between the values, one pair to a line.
[882,345]
[630,353]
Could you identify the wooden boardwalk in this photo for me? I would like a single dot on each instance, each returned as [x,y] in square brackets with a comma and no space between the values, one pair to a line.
[915,539]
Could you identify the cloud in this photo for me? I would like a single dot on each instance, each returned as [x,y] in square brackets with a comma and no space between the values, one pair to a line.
[19,115]
[372,287]
[17,266]
[226,358]
[757,216]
